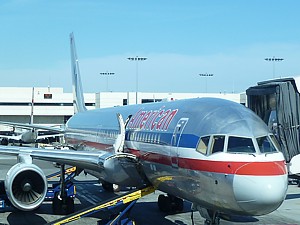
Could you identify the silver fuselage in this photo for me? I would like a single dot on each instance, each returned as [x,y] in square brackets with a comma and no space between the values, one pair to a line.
[166,138]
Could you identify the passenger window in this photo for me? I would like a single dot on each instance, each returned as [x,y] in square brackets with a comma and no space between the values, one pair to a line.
[143,137]
[218,144]
[240,145]
[203,145]
[265,145]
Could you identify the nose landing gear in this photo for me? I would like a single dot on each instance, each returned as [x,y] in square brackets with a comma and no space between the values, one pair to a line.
[211,217]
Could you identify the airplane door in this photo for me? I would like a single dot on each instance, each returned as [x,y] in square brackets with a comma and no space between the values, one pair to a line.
[174,153]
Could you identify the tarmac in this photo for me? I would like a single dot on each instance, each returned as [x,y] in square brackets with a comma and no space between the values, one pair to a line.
[145,211]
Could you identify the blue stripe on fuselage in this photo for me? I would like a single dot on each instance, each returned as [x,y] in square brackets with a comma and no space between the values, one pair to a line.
[163,138]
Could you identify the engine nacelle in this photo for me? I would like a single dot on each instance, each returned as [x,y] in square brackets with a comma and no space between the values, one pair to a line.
[29,136]
[26,186]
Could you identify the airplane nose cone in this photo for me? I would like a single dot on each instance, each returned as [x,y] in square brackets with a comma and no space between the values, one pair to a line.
[259,194]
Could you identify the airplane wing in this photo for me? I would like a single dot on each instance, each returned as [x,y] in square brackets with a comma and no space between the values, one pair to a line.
[82,159]
[115,168]
[110,166]
[19,137]
[11,137]
[32,126]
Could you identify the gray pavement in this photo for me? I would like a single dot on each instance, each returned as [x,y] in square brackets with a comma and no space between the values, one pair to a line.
[144,212]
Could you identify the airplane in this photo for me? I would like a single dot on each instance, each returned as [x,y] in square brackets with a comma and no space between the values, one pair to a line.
[214,153]
[31,134]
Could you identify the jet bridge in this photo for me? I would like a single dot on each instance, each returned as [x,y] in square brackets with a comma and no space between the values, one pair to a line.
[277,102]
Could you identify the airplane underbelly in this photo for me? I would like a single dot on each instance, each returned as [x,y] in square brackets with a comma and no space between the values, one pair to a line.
[217,191]
[207,189]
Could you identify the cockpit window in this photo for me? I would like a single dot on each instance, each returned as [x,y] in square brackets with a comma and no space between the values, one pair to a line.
[240,145]
[218,143]
[275,142]
[266,145]
[203,145]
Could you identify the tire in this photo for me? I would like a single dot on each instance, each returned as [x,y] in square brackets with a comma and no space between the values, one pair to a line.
[70,205]
[164,203]
[178,204]
[56,206]
[107,186]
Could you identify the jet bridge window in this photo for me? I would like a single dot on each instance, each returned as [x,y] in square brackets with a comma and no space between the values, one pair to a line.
[217,143]
[240,145]
[203,145]
[266,145]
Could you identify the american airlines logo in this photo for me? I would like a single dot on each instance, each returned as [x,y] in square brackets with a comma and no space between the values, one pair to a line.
[152,120]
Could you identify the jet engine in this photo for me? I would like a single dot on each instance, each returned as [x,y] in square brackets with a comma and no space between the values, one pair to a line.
[29,136]
[26,186]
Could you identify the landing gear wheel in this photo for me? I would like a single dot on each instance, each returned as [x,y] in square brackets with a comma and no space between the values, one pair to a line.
[164,203]
[70,208]
[170,203]
[116,188]
[178,204]
[209,222]
[61,208]
[4,141]
[214,218]
[107,186]
[57,206]
[110,187]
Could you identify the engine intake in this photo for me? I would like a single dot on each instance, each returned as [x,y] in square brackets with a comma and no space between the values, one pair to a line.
[26,186]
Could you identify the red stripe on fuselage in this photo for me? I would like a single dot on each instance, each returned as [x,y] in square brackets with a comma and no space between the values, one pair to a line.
[267,168]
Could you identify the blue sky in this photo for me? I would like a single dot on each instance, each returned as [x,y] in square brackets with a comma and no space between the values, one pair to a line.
[181,39]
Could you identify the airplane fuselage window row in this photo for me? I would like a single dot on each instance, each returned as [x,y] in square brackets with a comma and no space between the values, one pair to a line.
[147,137]
[232,144]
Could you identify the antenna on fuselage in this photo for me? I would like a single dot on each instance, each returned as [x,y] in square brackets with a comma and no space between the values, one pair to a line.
[78,99]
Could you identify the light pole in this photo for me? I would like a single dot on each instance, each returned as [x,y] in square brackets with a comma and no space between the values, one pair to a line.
[137,59]
[107,74]
[274,59]
[206,75]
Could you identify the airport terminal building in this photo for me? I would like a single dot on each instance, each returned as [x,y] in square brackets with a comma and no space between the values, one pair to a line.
[52,106]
